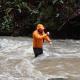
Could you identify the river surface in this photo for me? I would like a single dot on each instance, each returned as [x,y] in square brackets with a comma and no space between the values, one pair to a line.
[60,60]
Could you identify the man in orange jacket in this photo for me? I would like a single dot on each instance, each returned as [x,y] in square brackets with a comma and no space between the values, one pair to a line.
[38,38]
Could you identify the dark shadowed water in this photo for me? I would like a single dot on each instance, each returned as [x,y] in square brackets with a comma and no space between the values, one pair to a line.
[60,60]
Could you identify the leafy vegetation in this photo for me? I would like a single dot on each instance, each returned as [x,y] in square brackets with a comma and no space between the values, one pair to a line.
[19,17]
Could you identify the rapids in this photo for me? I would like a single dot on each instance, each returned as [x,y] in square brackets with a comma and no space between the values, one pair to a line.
[60,60]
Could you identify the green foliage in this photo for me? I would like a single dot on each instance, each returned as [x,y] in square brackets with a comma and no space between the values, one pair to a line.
[22,14]
[7,24]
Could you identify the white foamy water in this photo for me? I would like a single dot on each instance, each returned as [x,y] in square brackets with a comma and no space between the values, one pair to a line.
[17,60]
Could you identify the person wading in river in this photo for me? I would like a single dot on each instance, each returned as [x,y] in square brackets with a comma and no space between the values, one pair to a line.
[38,38]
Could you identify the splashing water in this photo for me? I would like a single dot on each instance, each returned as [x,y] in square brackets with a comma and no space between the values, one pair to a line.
[60,60]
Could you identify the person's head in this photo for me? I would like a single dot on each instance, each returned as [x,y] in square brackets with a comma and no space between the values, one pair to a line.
[40,28]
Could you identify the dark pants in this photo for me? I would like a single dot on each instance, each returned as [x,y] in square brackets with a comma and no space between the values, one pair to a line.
[37,51]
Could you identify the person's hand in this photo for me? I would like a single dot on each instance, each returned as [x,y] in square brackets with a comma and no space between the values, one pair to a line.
[48,33]
[50,42]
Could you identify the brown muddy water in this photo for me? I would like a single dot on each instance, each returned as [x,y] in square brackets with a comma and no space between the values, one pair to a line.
[60,60]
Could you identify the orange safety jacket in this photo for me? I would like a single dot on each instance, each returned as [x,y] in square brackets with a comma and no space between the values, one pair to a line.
[38,39]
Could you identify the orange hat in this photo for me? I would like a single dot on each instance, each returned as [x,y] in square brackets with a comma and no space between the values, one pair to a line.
[40,26]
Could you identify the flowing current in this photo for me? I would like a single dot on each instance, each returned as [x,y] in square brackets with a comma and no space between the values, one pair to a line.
[60,60]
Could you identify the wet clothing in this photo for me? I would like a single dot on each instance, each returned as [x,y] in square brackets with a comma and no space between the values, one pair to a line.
[38,51]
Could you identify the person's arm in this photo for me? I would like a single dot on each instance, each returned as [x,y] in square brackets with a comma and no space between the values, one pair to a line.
[47,38]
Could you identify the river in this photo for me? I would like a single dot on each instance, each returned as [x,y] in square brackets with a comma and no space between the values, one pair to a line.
[60,60]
